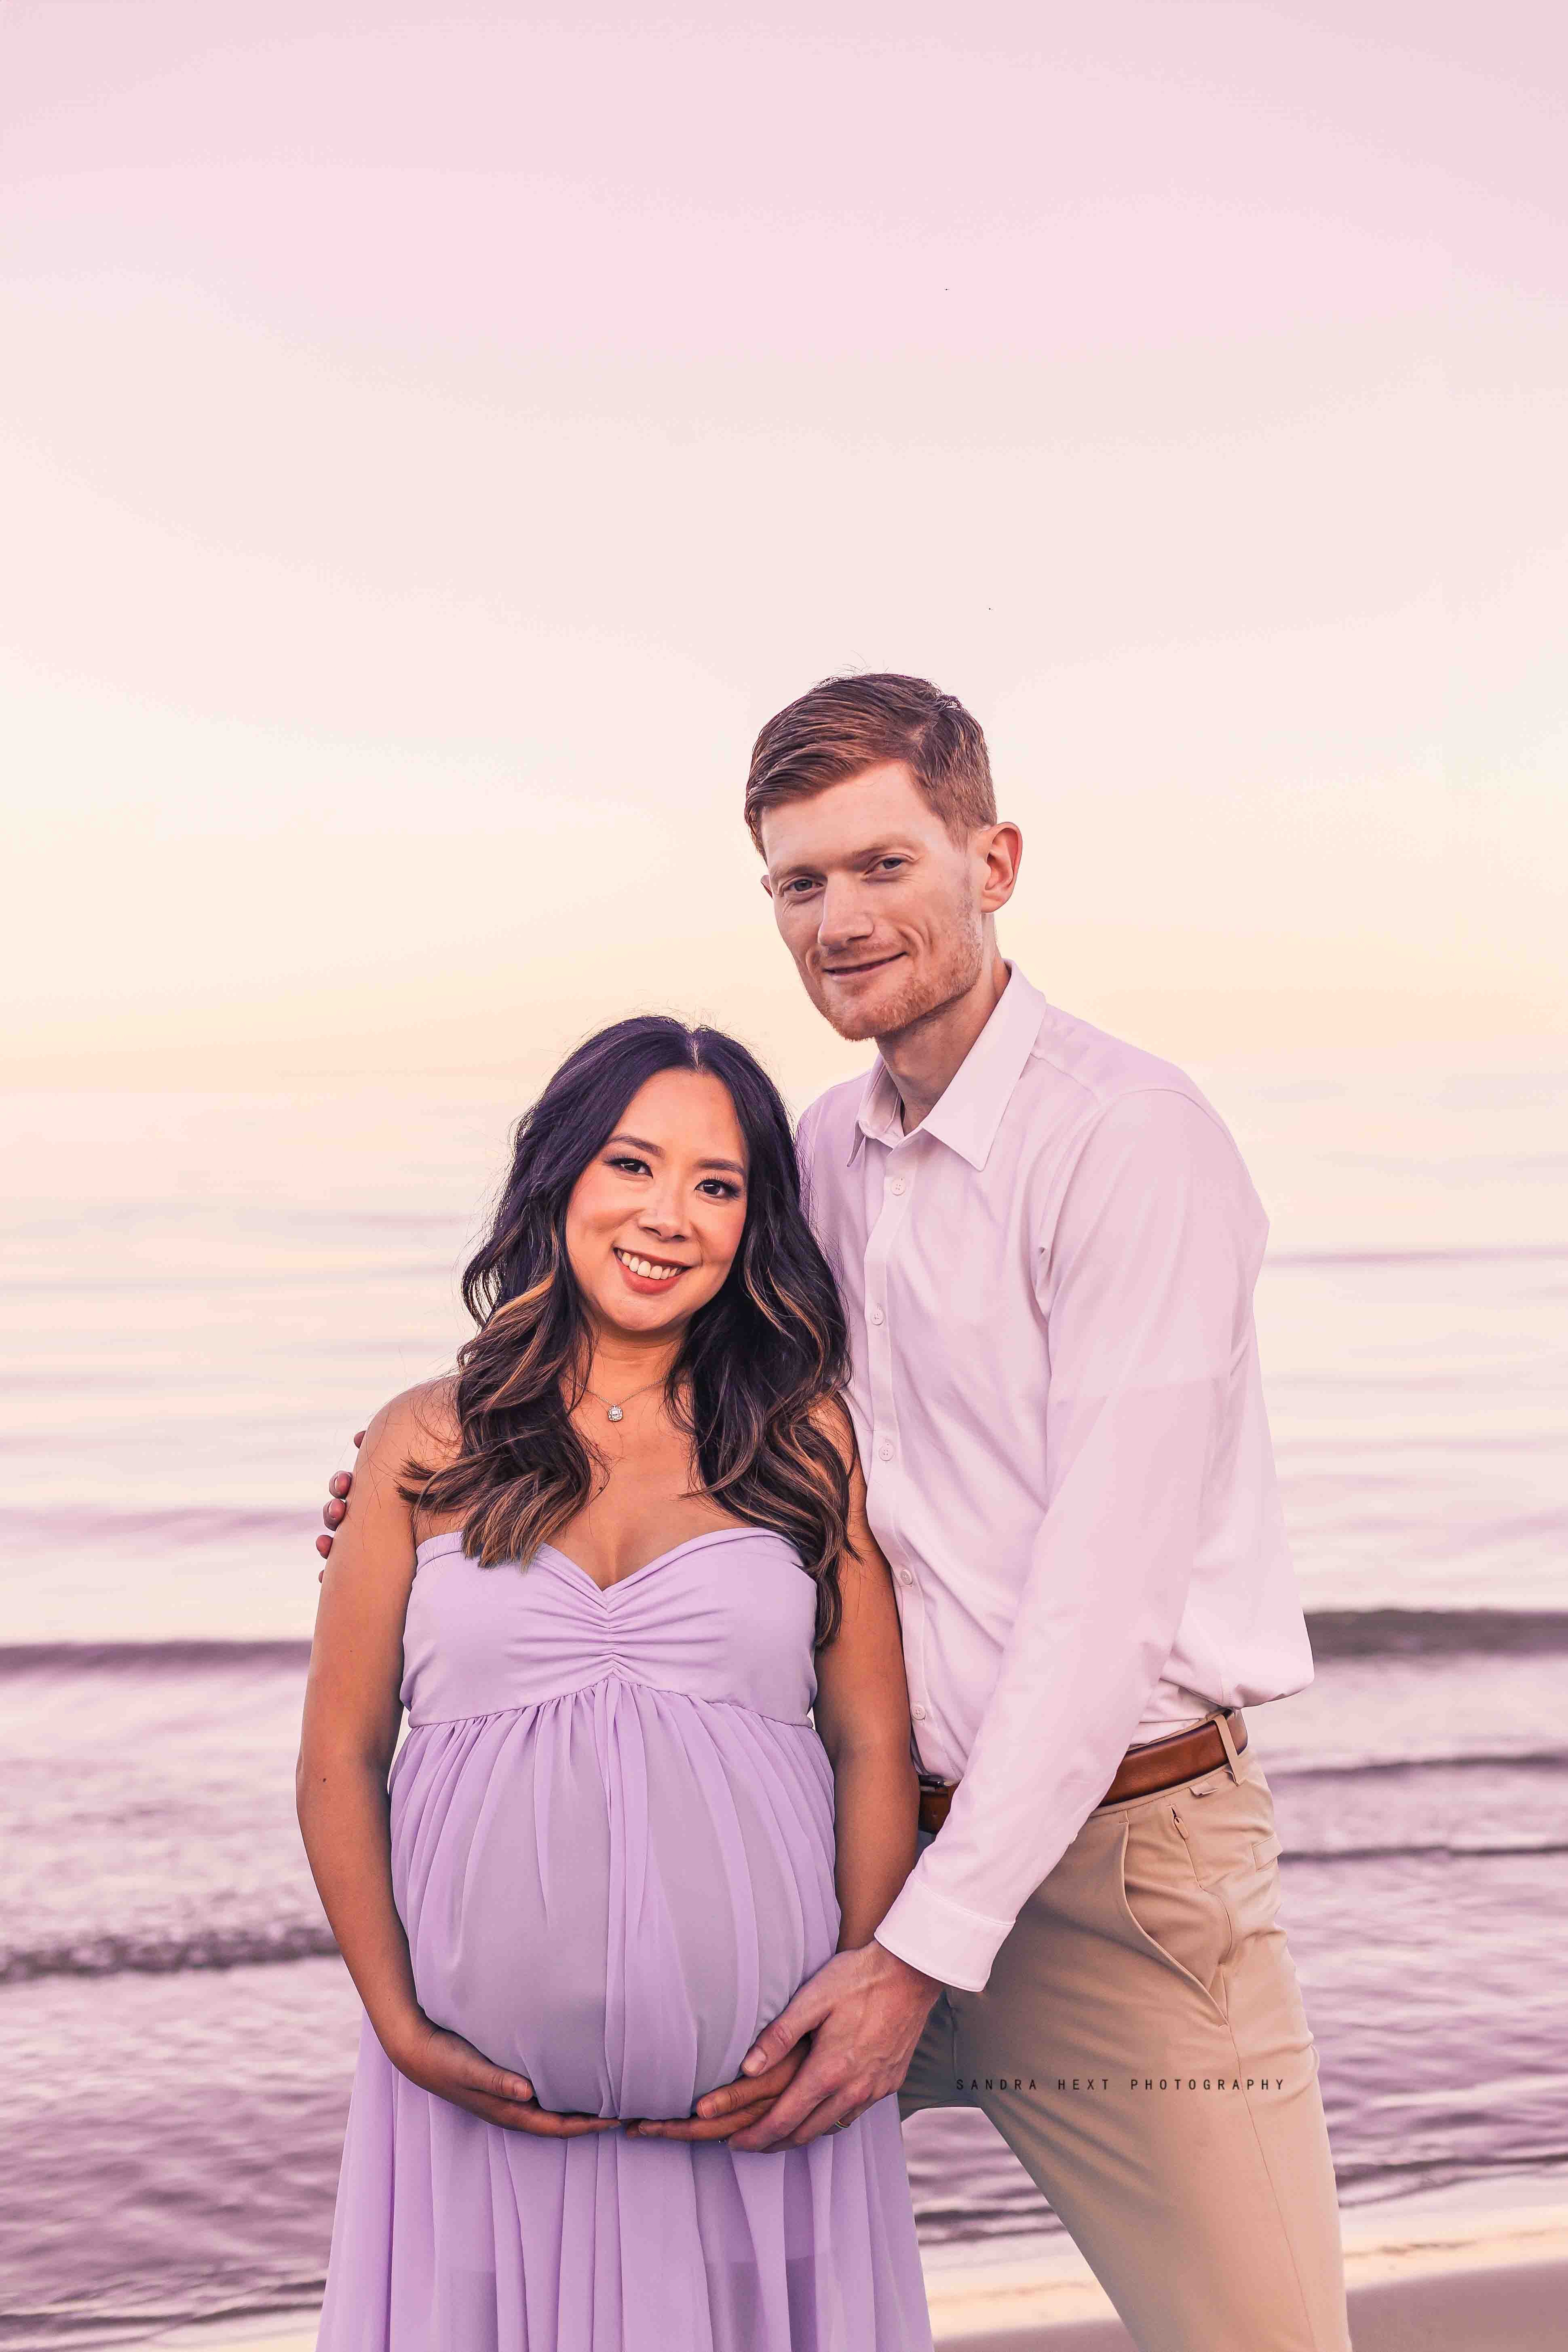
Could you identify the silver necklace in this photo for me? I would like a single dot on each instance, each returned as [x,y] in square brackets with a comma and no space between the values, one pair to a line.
[618,1411]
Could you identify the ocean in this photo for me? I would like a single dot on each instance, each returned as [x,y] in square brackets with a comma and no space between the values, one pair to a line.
[208,1294]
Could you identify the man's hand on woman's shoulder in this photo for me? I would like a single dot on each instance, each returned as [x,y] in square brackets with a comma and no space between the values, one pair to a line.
[425,1415]
[339,1489]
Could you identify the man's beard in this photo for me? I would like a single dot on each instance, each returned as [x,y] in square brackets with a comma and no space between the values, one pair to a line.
[949,976]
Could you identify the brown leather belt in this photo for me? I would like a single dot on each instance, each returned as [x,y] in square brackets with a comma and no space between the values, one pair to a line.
[1143,1771]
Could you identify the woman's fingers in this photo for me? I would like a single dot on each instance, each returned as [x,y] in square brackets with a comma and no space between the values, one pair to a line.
[720,2127]
[503,2086]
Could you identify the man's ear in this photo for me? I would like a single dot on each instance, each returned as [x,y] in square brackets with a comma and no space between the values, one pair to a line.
[766,879]
[1004,853]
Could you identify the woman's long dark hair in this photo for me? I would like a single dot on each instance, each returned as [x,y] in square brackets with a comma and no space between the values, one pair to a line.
[754,1367]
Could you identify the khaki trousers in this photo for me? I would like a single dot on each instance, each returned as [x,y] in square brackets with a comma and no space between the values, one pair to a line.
[1142,2049]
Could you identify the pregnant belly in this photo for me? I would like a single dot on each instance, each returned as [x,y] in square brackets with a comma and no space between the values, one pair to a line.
[613,1891]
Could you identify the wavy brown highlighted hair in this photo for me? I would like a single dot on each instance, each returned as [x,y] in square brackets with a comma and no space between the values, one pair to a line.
[754,1371]
[847,724]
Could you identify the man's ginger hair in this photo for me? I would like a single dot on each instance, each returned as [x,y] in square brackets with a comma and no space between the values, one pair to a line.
[848,724]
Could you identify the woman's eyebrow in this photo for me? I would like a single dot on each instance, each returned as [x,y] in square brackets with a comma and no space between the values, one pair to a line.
[655,1152]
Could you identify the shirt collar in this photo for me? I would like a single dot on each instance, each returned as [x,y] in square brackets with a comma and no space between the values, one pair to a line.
[967,1116]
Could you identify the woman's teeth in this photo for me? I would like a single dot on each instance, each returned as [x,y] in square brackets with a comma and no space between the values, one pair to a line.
[648,1269]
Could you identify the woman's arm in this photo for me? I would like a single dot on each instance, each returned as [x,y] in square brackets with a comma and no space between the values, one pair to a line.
[863,1720]
[353,1711]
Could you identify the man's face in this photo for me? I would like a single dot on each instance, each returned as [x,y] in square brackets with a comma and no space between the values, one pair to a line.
[881,909]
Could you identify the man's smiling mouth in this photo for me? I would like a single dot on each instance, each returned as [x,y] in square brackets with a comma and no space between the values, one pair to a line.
[852,970]
[652,1269]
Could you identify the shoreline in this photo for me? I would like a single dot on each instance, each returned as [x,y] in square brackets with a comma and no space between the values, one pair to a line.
[1439,2269]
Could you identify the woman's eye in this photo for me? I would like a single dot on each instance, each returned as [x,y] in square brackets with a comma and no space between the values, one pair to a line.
[717,1189]
[630,1167]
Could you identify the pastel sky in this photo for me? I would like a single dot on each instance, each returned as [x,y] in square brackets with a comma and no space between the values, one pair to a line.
[436,439]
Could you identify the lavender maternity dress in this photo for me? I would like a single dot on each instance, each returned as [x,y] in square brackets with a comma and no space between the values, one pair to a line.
[612,1850]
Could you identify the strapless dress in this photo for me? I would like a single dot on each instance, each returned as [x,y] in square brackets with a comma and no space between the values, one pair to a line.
[612,1852]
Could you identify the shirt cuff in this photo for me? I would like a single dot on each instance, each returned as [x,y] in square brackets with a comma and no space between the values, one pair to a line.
[944,1939]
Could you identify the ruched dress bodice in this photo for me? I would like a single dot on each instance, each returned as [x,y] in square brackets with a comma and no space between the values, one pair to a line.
[612,1819]
[728,1616]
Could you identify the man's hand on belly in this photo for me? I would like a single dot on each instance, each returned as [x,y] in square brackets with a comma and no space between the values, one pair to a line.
[864,2012]
[731,2108]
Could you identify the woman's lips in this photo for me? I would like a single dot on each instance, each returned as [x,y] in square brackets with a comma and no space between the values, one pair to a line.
[647,1284]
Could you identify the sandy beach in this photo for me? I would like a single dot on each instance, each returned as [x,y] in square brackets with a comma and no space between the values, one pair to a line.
[1432,2274]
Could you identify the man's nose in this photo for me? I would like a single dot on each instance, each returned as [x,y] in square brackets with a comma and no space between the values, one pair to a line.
[844,917]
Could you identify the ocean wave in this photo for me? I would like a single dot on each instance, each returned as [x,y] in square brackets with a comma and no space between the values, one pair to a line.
[173,1952]
[1455,1849]
[1424,1632]
[1364,1768]
[150,1657]
[1336,1634]
[169,1954]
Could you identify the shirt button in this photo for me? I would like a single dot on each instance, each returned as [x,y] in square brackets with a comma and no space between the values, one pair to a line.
[906,1576]
[878,1316]
[917,1713]
[898,1184]
[886,1449]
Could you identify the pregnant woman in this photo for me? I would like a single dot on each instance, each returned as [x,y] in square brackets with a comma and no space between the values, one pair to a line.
[617,1571]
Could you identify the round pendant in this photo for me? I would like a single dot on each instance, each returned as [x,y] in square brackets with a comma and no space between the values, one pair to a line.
[616,1412]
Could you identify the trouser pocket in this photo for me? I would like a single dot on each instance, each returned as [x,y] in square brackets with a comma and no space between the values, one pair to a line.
[1181,1922]
[1234,1848]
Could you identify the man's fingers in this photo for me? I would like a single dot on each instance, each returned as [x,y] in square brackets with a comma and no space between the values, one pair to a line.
[754,2090]
[826,2117]
[819,2082]
[698,2126]
[805,2013]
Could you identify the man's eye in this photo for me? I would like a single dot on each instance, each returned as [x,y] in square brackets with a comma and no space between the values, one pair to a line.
[890,865]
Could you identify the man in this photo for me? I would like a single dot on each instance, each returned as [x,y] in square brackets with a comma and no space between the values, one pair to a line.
[1048,1245]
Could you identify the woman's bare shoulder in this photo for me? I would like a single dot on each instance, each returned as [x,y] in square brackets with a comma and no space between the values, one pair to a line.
[419,1424]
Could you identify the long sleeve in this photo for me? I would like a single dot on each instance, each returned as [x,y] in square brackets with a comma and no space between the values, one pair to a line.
[1146,1283]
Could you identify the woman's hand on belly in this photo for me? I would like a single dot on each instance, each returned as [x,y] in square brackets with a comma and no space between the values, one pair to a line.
[452,2069]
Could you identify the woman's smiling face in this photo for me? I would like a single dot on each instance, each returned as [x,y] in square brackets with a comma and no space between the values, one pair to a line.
[656,1216]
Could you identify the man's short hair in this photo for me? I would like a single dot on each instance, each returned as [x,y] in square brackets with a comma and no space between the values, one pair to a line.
[848,724]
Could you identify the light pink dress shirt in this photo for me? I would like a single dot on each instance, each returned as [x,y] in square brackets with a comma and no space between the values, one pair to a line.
[1056,1394]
